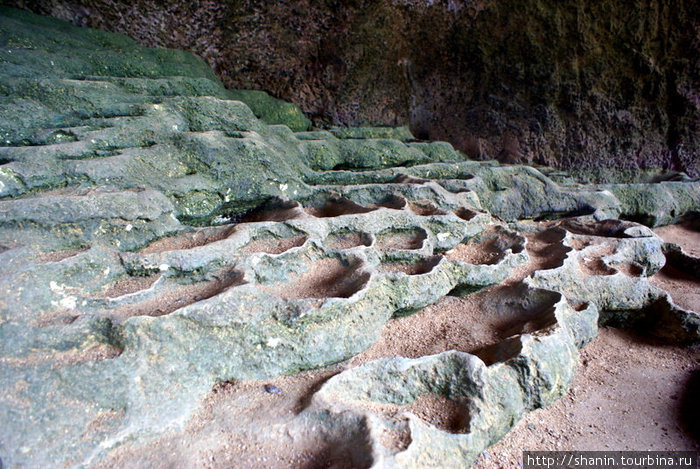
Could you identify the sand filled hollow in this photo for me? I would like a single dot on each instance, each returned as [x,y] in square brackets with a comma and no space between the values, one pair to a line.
[630,393]
[326,278]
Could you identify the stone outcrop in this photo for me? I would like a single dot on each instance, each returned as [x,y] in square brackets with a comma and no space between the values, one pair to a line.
[609,89]
[157,239]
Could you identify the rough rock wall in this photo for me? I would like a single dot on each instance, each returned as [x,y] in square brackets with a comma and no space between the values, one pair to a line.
[585,85]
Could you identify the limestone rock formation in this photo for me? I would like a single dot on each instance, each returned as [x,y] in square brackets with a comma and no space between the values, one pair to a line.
[159,242]
[606,88]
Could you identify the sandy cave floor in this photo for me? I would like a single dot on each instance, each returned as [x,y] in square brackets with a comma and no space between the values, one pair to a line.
[630,392]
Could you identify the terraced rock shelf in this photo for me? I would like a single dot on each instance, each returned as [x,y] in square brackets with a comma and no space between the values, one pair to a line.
[163,243]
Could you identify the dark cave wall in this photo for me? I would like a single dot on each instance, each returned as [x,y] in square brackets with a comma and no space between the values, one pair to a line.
[589,85]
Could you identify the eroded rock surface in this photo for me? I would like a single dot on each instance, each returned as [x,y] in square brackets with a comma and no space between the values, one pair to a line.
[160,244]
[598,87]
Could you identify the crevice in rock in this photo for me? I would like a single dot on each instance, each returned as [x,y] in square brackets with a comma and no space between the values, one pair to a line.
[606,228]
[170,300]
[425,208]
[592,262]
[327,277]
[189,240]
[347,239]
[465,214]
[407,179]
[58,256]
[500,352]
[549,216]
[274,210]
[490,247]
[337,207]
[401,239]
[129,285]
[393,201]
[409,267]
[660,319]
[273,245]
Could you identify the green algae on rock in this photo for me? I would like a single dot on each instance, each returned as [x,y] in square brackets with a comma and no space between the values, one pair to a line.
[605,89]
[158,238]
